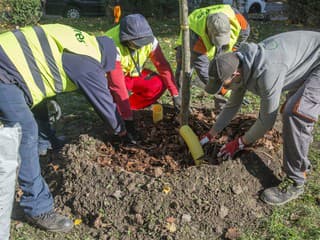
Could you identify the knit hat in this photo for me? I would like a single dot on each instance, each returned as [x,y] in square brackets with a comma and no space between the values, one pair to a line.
[218,26]
[136,29]
[220,69]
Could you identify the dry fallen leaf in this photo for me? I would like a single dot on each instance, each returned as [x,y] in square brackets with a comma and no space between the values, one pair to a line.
[19,193]
[232,234]
[98,222]
[171,227]
[166,189]
[55,167]
[77,221]
[170,219]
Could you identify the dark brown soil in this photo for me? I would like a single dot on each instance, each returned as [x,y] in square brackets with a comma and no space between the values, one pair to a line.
[154,191]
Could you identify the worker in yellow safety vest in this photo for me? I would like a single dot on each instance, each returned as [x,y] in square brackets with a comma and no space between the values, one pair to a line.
[213,30]
[136,87]
[37,63]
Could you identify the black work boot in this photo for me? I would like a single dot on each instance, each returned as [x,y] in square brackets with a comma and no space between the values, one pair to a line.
[52,221]
[286,191]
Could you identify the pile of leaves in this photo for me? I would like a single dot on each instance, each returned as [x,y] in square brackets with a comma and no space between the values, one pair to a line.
[161,149]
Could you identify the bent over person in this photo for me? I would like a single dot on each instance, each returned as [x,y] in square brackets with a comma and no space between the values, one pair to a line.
[37,63]
[285,62]
[213,30]
[136,87]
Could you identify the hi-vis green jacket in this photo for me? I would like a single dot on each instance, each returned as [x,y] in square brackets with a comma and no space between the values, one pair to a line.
[128,61]
[36,52]
[197,23]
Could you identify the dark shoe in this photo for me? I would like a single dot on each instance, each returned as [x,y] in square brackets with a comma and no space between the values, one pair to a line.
[283,193]
[58,142]
[55,144]
[52,221]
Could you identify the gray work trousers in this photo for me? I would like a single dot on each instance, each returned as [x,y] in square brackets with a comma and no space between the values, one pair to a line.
[9,155]
[300,113]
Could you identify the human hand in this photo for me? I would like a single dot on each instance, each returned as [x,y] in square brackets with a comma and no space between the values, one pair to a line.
[206,138]
[230,149]
[131,129]
[177,103]
[130,126]
[124,137]
[54,111]
[128,139]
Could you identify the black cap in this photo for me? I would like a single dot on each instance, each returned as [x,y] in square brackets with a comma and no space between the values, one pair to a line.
[220,69]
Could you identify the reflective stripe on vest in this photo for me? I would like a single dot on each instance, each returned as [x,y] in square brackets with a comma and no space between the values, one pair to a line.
[37,55]
[198,24]
[45,46]
[29,57]
[140,55]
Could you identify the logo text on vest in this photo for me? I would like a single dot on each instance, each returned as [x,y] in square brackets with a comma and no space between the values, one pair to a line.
[79,36]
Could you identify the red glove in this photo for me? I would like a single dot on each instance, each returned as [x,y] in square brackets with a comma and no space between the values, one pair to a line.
[206,138]
[230,149]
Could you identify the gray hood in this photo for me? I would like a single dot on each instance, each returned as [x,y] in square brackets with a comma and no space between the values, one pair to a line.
[134,26]
[248,53]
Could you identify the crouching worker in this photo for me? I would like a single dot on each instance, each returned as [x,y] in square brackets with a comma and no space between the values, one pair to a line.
[213,30]
[136,44]
[37,63]
[267,69]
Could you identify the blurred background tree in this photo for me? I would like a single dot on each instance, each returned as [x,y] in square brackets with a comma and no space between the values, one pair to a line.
[20,12]
[304,11]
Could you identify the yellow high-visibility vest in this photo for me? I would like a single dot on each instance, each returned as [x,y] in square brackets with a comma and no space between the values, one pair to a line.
[129,61]
[36,52]
[198,24]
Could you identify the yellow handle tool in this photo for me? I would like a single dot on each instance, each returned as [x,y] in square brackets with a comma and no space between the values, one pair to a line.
[193,143]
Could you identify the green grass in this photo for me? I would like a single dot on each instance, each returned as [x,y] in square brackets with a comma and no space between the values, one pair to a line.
[298,220]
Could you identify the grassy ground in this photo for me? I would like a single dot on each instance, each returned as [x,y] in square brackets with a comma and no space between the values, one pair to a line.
[299,219]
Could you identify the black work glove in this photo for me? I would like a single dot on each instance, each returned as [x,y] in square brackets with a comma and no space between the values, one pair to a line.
[128,139]
[125,139]
[177,103]
[130,126]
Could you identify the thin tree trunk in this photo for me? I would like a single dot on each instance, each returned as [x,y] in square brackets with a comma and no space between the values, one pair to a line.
[186,75]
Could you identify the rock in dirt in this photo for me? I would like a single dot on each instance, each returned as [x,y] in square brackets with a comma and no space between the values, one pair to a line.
[236,189]
[223,212]
[186,218]
[117,194]
[139,219]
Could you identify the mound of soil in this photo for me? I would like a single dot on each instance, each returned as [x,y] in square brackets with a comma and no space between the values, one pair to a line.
[153,190]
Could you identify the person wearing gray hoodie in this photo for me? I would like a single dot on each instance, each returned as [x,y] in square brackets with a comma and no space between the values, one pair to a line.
[288,62]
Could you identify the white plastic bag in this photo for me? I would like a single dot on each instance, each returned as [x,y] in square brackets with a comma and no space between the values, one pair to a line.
[9,161]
